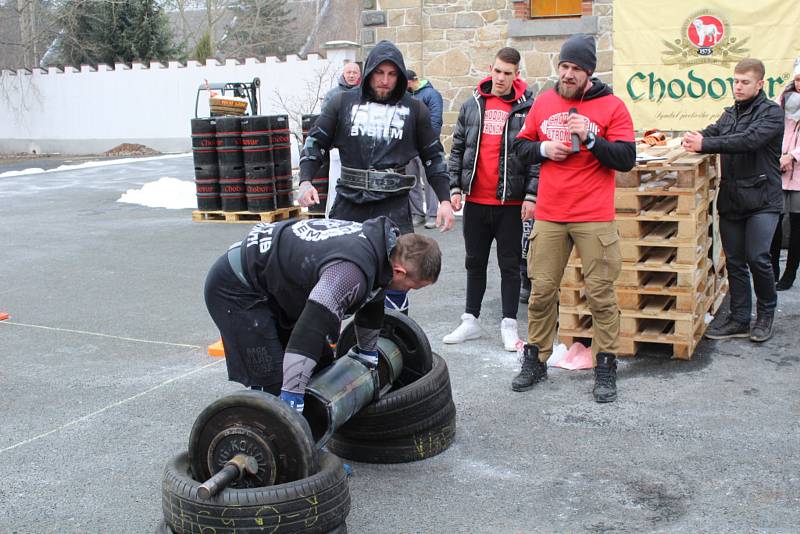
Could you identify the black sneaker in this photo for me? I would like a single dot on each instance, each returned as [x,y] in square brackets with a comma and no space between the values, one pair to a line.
[605,378]
[763,327]
[532,372]
[730,328]
[784,283]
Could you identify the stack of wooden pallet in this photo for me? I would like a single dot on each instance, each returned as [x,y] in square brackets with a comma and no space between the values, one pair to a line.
[673,270]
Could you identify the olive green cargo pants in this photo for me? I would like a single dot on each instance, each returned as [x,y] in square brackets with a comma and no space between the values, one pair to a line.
[598,247]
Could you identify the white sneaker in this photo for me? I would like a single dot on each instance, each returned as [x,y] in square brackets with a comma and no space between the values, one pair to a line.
[469,328]
[508,331]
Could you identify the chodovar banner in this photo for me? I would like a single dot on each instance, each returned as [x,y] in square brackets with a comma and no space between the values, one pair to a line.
[673,60]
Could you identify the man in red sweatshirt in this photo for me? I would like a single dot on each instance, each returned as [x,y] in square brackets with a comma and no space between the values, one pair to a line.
[580,133]
[486,178]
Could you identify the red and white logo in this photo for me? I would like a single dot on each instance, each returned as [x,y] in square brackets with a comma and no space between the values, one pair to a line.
[705,31]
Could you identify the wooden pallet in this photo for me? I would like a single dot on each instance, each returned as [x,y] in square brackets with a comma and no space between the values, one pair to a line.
[680,347]
[663,246]
[681,336]
[635,275]
[246,216]
[688,169]
[643,224]
[686,200]
[659,293]
[312,215]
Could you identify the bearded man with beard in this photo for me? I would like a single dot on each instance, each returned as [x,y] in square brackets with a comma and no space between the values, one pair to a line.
[378,128]
[575,206]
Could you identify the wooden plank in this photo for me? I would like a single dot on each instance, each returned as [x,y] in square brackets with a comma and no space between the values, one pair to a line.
[246,216]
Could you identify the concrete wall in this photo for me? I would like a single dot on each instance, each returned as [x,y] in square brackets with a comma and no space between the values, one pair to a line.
[88,111]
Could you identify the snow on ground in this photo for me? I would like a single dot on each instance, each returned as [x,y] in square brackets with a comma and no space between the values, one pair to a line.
[98,163]
[166,192]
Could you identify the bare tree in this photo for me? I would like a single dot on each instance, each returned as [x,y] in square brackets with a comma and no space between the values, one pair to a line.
[306,102]
[200,24]
[27,28]
[261,28]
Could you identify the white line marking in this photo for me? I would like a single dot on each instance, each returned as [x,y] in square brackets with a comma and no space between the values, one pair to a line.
[102,335]
[113,405]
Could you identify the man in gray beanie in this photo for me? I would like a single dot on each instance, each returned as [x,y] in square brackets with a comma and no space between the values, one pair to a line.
[581,134]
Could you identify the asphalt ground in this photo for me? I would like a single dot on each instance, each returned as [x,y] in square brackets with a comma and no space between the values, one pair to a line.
[104,369]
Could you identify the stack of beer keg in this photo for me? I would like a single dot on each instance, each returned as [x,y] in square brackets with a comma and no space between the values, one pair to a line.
[242,163]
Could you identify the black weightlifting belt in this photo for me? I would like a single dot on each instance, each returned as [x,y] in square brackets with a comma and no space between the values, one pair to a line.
[385,181]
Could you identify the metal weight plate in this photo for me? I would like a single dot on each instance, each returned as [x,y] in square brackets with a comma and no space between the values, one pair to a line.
[409,337]
[256,424]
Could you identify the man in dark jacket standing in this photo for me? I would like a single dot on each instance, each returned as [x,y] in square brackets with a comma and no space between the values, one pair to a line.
[483,169]
[748,135]
[350,77]
[423,90]
[378,128]
[581,133]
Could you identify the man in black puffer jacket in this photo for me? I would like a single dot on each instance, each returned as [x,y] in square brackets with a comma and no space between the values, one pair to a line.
[485,169]
[749,136]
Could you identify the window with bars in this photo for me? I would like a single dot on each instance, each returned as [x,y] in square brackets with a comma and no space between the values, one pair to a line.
[555,8]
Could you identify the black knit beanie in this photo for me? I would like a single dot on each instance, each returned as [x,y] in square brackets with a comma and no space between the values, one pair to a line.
[579,49]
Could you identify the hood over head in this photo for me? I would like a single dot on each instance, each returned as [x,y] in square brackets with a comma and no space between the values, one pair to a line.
[385,51]
[343,83]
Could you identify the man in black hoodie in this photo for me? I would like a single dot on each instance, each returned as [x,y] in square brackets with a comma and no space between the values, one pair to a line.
[749,136]
[378,128]
[279,295]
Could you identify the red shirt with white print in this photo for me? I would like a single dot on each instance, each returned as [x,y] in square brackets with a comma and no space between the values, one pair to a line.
[578,189]
[487,172]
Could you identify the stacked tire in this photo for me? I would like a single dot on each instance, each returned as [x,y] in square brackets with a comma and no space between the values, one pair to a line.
[316,504]
[415,420]
[411,423]
[297,489]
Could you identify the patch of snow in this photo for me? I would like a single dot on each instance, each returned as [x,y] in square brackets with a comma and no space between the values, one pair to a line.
[99,163]
[166,192]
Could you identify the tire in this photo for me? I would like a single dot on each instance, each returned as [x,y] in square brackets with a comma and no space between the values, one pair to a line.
[314,505]
[260,425]
[405,411]
[409,338]
[409,449]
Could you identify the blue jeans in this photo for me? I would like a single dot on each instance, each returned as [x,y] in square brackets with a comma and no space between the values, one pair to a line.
[746,243]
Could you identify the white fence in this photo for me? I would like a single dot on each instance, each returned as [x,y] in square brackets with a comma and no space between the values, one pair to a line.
[88,111]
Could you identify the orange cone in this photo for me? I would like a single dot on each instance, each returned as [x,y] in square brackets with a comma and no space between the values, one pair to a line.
[216,349]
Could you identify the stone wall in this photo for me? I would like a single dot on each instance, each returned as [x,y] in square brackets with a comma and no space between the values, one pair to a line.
[452,43]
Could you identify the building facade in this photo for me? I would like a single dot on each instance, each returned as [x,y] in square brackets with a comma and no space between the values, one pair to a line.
[452,43]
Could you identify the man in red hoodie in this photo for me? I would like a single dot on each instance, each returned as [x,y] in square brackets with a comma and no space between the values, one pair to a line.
[580,133]
[485,176]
